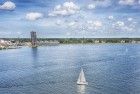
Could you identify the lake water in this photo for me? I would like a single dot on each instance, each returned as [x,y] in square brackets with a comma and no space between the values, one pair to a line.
[109,69]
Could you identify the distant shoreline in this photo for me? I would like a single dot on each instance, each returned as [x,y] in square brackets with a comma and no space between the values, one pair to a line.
[78,40]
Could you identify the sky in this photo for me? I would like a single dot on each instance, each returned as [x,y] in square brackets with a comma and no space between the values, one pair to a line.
[70,18]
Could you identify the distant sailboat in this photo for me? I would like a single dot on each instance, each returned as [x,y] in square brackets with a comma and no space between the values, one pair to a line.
[82,80]
[126,50]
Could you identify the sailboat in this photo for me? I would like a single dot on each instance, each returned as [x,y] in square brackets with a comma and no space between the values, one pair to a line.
[82,80]
[126,50]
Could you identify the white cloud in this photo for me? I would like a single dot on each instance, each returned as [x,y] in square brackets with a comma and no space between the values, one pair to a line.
[110,17]
[102,3]
[126,28]
[90,22]
[130,19]
[58,22]
[72,23]
[97,23]
[120,25]
[32,16]
[94,24]
[127,2]
[68,8]
[8,5]
[91,6]
[68,34]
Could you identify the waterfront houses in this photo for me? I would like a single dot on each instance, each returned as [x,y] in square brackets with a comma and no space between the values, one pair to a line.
[6,44]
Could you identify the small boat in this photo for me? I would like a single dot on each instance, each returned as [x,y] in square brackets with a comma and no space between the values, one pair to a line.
[82,80]
[126,50]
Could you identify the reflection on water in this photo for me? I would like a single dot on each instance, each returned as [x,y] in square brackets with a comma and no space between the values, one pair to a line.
[34,52]
[81,89]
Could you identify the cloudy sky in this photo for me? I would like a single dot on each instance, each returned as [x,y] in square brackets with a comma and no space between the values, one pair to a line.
[70,18]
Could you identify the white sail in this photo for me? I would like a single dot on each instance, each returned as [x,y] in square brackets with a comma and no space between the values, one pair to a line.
[82,80]
[126,50]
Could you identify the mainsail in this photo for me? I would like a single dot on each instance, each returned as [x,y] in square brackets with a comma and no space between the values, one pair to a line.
[82,80]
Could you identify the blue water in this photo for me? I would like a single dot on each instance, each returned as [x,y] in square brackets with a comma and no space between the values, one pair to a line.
[109,69]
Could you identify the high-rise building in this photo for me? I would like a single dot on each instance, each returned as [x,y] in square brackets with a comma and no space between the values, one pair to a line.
[33,39]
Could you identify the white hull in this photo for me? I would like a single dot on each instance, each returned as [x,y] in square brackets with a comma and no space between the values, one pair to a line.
[82,83]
